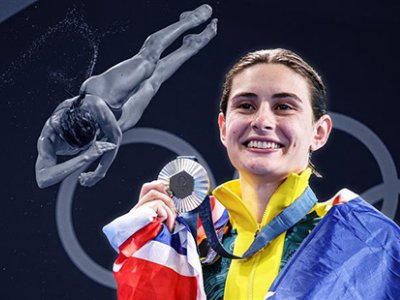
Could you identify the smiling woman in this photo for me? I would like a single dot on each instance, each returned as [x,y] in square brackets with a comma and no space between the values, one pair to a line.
[269,128]
[273,115]
[267,122]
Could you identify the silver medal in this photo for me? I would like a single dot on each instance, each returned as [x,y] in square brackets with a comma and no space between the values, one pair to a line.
[187,181]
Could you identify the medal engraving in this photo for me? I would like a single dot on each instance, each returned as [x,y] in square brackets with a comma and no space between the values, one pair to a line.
[187,181]
[181,184]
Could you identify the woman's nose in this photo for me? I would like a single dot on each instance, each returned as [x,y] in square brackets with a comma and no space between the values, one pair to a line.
[263,119]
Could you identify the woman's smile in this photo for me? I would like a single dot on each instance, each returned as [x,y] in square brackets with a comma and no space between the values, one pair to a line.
[268,128]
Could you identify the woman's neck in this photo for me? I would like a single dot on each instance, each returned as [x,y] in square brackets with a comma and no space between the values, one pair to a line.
[256,194]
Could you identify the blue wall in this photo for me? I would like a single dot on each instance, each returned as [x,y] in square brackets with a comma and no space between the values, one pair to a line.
[46,51]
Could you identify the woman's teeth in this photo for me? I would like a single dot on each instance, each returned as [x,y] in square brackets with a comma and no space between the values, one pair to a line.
[263,145]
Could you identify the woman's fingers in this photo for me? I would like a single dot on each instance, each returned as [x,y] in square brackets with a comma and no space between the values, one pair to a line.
[155,190]
[154,195]
[103,147]
[153,185]
[164,213]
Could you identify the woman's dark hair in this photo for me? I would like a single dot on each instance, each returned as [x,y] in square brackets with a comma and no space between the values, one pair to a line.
[78,126]
[288,59]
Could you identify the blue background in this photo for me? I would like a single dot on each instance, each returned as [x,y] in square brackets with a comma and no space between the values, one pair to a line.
[47,49]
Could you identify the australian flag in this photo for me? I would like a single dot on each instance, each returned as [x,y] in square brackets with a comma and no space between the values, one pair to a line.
[353,253]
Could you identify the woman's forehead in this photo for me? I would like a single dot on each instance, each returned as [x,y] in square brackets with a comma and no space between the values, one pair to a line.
[270,79]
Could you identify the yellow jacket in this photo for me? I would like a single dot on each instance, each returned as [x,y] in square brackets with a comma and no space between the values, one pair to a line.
[251,278]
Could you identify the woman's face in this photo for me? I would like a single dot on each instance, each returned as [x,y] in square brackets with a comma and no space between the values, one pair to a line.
[268,129]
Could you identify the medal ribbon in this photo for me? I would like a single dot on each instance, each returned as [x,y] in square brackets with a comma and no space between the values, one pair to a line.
[279,224]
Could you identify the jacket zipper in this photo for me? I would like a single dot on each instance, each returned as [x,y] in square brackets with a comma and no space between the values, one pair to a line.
[257,258]
[253,271]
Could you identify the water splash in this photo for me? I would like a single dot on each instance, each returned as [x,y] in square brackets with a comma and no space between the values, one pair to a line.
[74,29]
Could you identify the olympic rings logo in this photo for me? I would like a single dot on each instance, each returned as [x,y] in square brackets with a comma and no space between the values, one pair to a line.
[388,190]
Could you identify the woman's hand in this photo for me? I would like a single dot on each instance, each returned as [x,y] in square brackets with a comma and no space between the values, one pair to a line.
[97,149]
[154,195]
[89,179]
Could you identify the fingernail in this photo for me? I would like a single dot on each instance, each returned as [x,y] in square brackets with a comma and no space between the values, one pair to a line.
[169,192]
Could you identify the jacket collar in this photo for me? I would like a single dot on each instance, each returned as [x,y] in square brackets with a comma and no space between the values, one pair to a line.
[229,194]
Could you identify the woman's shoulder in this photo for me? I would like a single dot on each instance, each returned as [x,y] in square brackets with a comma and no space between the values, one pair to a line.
[97,106]
[93,101]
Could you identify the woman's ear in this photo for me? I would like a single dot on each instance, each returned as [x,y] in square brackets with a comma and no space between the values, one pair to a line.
[222,128]
[322,129]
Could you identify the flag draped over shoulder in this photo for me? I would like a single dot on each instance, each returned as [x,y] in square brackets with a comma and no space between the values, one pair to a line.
[154,263]
[353,253]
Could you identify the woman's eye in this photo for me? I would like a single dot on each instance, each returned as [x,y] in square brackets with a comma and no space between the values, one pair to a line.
[283,107]
[246,106]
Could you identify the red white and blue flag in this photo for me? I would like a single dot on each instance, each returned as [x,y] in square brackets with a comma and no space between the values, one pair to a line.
[353,253]
[154,263]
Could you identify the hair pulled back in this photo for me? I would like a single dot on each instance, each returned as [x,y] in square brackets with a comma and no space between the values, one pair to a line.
[288,59]
[78,126]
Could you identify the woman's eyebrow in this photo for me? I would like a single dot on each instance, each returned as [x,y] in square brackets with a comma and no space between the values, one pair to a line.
[244,95]
[286,95]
